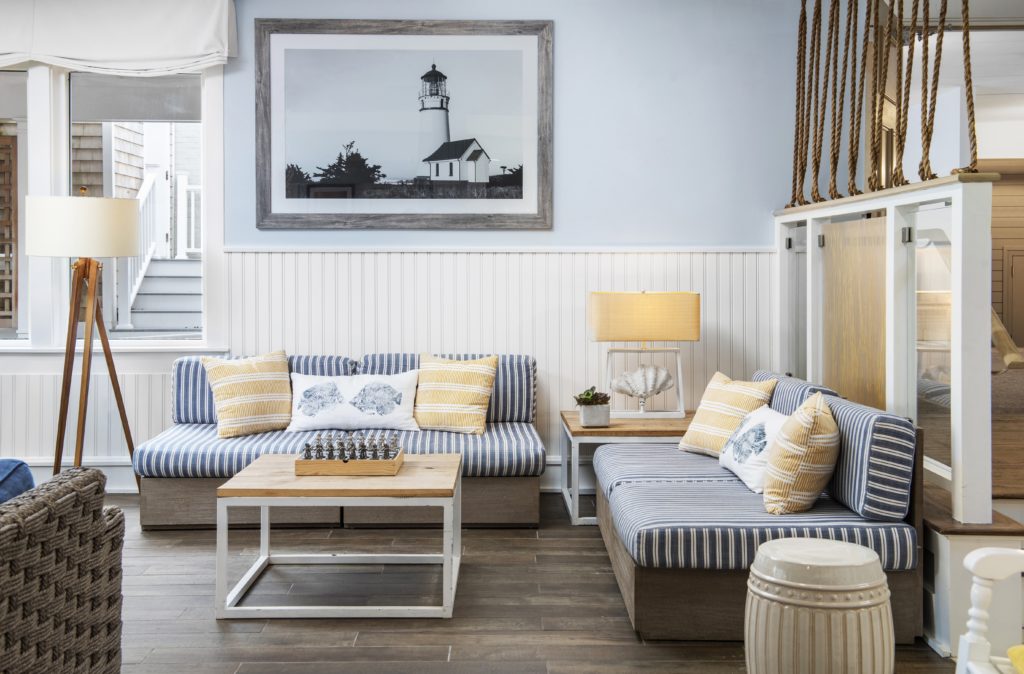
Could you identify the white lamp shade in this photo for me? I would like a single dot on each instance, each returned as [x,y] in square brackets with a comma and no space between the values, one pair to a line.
[644,316]
[81,227]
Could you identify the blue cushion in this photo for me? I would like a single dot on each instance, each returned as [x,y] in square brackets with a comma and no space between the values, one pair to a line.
[720,524]
[874,474]
[790,392]
[194,450]
[192,398]
[515,385]
[624,463]
[15,479]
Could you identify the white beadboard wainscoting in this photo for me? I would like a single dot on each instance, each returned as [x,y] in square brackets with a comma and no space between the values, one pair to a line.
[352,303]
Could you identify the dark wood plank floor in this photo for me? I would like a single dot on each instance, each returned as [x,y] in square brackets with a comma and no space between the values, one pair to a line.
[528,601]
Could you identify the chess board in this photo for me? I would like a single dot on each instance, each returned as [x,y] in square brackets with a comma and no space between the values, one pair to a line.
[389,466]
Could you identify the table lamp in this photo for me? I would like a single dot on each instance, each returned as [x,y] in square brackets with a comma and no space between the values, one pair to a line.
[645,317]
[84,228]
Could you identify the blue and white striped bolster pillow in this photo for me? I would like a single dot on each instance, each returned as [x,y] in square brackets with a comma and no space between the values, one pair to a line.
[874,474]
[790,392]
[515,386]
[192,397]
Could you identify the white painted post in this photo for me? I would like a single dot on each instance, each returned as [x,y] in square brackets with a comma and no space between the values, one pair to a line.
[782,356]
[47,136]
[900,316]
[815,310]
[181,207]
[970,353]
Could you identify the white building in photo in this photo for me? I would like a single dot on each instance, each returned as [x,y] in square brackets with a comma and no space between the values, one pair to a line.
[459,161]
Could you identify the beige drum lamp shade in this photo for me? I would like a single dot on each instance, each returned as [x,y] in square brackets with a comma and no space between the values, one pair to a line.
[81,227]
[644,316]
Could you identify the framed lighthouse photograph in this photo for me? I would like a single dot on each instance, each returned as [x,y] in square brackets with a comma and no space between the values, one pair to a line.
[403,124]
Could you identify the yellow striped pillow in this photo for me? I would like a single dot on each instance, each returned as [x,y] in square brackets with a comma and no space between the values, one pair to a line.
[252,395]
[802,458]
[721,411]
[453,395]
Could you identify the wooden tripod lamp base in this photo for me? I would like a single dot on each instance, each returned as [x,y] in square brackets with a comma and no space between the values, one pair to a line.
[85,279]
[85,228]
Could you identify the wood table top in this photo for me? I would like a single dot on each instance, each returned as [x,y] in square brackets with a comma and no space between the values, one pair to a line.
[423,475]
[632,427]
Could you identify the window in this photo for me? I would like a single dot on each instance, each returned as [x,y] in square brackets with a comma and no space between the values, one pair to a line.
[141,138]
[451,169]
[13,185]
[437,169]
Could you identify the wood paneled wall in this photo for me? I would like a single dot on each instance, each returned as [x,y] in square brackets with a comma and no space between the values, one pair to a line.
[358,302]
[1007,223]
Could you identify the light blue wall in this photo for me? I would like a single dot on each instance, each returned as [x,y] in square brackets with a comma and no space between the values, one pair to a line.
[673,120]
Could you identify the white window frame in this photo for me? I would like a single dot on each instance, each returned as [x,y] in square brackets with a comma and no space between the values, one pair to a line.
[49,124]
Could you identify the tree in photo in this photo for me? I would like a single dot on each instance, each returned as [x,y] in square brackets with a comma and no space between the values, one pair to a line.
[351,167]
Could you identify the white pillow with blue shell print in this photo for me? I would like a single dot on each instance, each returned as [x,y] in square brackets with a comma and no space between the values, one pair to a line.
[746,451]
[353,403]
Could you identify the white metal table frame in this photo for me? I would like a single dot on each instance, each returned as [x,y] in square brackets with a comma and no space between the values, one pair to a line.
[570,450]
[449,558]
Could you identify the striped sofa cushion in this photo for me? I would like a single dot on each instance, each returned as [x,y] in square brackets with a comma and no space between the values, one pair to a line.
[876,461]
[194,450]
[718,525]
[624,463]
[515,386]
[790,392]
[192,398]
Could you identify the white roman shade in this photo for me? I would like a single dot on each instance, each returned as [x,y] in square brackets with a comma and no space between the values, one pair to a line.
[118,37]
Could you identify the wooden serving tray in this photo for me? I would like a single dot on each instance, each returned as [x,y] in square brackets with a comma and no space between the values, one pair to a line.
[353,467]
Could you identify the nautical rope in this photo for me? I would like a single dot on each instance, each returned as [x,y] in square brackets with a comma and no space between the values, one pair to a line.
[799,135]
[837,116]
[969,90]
[903,101]
[881,77]
[820,98]
[857,96]
[924,169]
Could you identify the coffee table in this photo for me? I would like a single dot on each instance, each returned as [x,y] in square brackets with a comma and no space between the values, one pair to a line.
[270,482]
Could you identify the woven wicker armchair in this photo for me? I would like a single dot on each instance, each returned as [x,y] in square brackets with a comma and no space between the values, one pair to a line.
[60,578]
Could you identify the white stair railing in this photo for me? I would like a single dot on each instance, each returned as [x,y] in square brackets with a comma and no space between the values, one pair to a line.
[188,238]
[129,272]
[987,566]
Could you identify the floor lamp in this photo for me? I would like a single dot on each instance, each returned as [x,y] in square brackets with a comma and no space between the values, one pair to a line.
[646,317]
[84,228]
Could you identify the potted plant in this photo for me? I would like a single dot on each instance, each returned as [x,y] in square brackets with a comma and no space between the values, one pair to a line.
[594,408]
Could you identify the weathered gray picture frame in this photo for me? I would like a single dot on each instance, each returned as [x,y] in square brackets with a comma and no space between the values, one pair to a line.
[266,218]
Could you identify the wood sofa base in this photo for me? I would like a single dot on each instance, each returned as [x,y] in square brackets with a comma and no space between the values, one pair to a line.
[191,503]
[708,604]
[486,502]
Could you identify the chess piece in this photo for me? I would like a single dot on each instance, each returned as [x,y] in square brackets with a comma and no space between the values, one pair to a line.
[307,452]
[318,450]
[330,448]
[350,448]
[361,444]
[374,450]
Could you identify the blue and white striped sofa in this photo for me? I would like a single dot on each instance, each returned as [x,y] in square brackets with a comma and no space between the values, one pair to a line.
[509,448]
[677,517]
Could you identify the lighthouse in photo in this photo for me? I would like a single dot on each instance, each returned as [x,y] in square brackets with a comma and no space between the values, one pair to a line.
[434,130]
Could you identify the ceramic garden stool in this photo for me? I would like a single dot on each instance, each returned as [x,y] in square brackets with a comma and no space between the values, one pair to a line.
[818,606]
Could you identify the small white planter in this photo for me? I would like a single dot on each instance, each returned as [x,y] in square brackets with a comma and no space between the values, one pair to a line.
[595,415]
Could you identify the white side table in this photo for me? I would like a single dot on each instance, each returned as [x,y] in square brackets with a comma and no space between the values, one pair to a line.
[619,431]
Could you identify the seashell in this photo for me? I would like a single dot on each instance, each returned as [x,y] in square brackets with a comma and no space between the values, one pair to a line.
[645,381]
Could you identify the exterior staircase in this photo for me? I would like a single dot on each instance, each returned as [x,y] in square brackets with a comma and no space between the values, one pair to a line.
[169,303]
